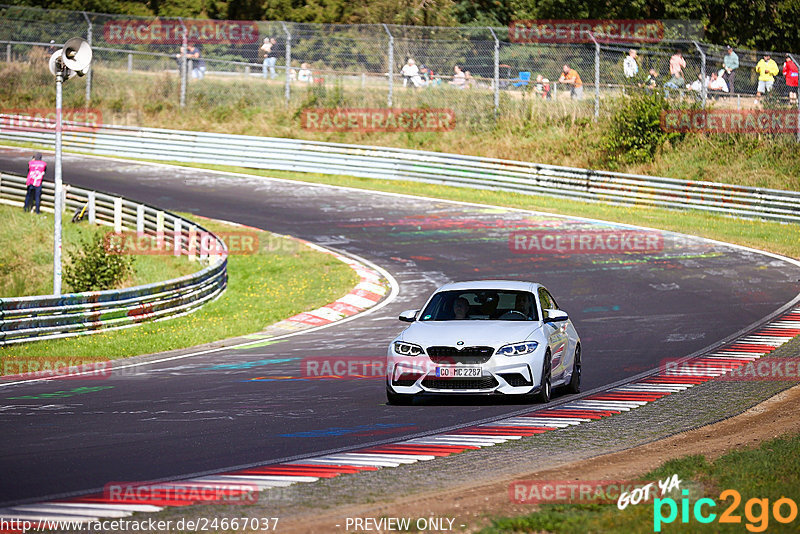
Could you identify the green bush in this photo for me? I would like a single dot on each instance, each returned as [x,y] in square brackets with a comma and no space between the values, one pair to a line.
[634,133]
[96,266]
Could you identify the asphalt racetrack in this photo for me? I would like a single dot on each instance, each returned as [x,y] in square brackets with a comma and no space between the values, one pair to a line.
[207,413]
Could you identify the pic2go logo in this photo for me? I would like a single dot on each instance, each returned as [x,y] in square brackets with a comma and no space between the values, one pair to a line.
[756,511]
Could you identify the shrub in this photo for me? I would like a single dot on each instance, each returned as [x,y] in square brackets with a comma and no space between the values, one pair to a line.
[94,267]
[634,133]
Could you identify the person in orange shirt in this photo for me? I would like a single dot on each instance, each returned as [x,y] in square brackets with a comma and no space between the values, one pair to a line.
[570,77]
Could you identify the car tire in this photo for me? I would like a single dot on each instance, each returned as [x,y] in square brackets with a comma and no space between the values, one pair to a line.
[398,399]
[543,396]
[574,385]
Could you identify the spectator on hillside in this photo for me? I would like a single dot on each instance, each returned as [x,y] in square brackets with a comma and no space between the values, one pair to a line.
[651,82]
[36,170]
[571,78]
[459,79]
[469,80]
[677,64]
[675,82]
[426,74]
[267,53]
[717,83]
[410,73]
[767,69]
[790,73]
[196,63]
[304,74]
[730,63]
[629,66]
[698,84]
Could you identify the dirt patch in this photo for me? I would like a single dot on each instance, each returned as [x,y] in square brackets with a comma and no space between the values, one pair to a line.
[472,505]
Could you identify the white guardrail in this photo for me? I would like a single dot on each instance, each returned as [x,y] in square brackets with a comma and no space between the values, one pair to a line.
[413,165]
[49,316]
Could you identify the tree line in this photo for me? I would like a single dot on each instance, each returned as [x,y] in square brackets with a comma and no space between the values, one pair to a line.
[753,24]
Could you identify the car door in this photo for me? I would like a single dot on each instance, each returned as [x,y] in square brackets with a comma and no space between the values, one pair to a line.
[556,333]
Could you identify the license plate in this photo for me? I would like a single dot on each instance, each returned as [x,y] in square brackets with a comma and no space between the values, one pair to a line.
[458,372]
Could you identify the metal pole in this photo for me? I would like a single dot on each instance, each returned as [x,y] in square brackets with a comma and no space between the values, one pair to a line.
[703,88]
[596,77]
[89,72]
[496,73]
[797,92]
[184,70]
[391,65]
[8,52]
[57,200]
[287,90]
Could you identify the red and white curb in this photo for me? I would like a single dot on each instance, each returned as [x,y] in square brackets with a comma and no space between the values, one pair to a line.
[734,355]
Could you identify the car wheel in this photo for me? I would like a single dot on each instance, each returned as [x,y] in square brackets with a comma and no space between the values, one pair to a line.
[543,396]
[398,399]
[574,385]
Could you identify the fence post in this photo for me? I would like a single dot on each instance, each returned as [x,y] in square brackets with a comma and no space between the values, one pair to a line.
[89,73]
[496,73]
[391,65]
[596,76]
[184,70]
[92,201]
[8,52]
[797,91]
[703,88]
[130,63]
[287,91]
[177,236]
[160,229]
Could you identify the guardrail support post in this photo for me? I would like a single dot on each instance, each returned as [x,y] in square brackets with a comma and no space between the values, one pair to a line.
[118,215]
[140,219]
[191,246]
[130,62]
[8,52]
[160,229]
[496,73]
[89,73]
[177,236]
[390,70]
[91,200]
[703,85]
[287,90]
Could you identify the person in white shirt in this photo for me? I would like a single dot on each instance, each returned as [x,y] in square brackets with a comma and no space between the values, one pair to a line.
[459,79]
[717,83]
[304,74]
[410,73]
[629,66]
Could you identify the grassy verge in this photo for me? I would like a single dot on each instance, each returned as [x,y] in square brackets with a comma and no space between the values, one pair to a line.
[282,279]
[560,132]
[26,254]
[762,474]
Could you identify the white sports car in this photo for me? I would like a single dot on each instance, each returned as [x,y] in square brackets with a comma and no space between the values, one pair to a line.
[485,337]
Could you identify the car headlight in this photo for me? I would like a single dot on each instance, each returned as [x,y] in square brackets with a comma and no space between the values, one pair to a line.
[407,349]
[518,349]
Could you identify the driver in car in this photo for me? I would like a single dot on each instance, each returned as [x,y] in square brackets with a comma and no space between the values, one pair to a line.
[460,308]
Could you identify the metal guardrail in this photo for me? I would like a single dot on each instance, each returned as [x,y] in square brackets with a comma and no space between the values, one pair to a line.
[416,165]
[47,317]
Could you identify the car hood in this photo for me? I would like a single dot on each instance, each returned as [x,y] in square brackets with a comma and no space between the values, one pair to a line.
[471,333]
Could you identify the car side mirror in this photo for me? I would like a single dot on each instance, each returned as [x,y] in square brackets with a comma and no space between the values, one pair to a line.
[409,316]
[554,316]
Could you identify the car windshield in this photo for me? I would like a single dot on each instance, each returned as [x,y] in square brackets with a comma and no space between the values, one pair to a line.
[481,304]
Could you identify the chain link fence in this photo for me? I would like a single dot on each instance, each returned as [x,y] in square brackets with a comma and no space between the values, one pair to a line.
[478,72]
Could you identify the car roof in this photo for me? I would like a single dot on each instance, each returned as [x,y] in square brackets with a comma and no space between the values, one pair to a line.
[513,285]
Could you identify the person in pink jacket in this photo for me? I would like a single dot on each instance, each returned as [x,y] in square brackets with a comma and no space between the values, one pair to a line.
[36,170]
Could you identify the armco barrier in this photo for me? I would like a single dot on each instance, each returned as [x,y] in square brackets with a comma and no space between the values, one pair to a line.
[49,316]
[417,165]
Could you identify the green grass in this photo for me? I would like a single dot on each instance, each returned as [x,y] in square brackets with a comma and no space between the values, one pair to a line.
[770,471]
[284,278]
[26,254]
